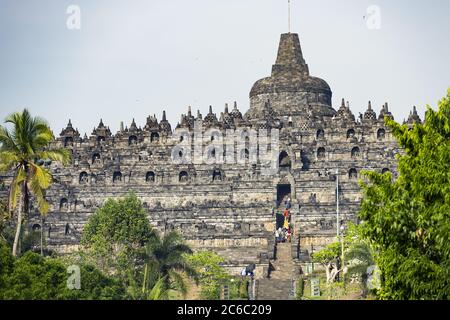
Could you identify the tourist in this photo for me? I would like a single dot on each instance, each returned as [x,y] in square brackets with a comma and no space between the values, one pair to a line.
[249,270]
[280,235]
[286,224]
[283,236]
[287,203]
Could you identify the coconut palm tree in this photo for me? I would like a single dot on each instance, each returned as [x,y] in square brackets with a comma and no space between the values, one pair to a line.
[4,217]
[21,150]
[158,292]
[165,261]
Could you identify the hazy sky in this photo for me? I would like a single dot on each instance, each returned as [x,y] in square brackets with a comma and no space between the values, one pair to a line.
[134,58]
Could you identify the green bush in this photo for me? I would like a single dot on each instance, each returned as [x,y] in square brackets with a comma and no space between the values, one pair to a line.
[407,218]
[33,277]
[300,288]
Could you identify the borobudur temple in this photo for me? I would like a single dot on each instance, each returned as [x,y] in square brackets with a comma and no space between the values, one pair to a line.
[229,207]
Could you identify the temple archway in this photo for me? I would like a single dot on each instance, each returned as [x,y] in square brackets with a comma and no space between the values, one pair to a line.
[352,174]
[95,158]
[356,152]
[321,153]
[83,178]
[154,137]
[183,176]
[351,133]
[63,204]
[117,176]
[320,134]
[68,141]
[283,192]
[284,161]
[150,177]
[132,140]
[217,175]
[381,134]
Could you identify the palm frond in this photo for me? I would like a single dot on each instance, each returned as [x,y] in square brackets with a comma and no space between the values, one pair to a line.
[158,291]
[7,141]
[178,282]
[187,269]
[14,189]
[21,122]
[40,176]
[41,140]
[39,181]
[8,160]
[61,155]
[171,238]
[182,248]
[29,134]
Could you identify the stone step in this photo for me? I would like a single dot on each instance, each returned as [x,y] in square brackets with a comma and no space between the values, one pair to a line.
[273,289]
[283,267]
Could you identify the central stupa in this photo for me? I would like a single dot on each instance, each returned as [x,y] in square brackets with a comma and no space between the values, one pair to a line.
[291,91]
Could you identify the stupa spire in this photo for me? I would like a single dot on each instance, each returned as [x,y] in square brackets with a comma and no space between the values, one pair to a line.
[290,57]
[289,16]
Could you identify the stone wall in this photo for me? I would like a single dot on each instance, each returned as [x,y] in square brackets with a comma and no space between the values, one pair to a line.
[228,207]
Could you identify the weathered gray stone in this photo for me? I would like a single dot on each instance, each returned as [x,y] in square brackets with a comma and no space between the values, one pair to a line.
[228,208]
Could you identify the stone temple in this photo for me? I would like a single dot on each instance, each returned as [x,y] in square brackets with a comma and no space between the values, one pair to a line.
[230,208]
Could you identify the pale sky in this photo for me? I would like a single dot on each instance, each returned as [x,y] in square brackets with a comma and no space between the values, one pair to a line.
[131,59]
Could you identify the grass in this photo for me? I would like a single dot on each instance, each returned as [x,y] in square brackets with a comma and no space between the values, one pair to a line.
[335,291]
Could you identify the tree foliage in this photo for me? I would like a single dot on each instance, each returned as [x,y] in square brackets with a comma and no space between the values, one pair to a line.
[165,258]
[21,150]
[33,277]
[115,234]
[4,218]
[211,274]
[119,240]
[358,254]
[408,220]
[95,285]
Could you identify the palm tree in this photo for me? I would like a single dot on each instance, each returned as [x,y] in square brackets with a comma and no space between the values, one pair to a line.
[158,292]
[20,152]
[165,262]
[362,256]
[4,217]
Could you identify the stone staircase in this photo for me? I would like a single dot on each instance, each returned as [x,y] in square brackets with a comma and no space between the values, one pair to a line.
[270,289]
[283,265]
[279,285]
